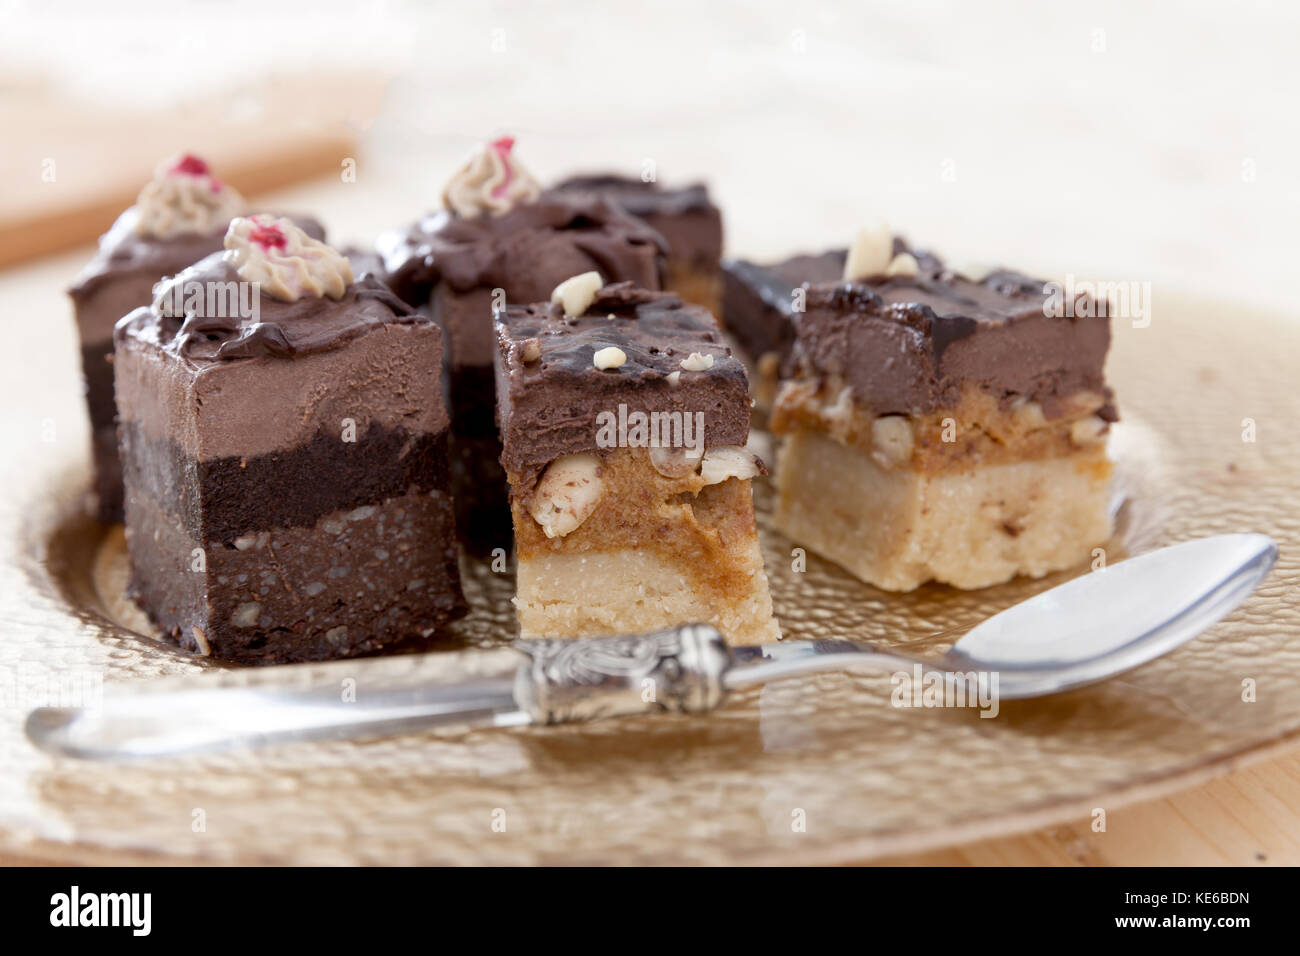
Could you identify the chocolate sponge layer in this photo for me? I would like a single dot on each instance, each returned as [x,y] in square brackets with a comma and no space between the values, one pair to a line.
[352,583]
[97,372]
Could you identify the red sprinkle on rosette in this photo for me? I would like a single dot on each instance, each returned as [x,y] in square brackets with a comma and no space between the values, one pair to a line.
[503,146]
[191,165]
[268,236]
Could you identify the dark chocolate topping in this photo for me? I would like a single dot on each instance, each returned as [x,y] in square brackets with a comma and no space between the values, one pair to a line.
[685,217]
[637,197]
[363,261]
[775,283]
[909,344]
[765,325]
[282,329]
[548,407]
[122,250]
[943,306]
[526,252]
[656,330]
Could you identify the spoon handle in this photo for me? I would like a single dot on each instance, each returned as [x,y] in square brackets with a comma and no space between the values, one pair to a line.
[1081,632]
[756,665]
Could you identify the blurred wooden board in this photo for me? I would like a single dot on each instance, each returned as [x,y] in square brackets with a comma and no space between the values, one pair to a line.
[1249,818]
[69,168]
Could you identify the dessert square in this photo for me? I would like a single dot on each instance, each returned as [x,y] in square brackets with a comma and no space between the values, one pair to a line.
[685,216]
[758,307]
[944,428]
[180,216]
[623,422]
[284,456]
[501,241]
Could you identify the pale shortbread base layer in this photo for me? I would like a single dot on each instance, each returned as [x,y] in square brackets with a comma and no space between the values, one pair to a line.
[629,591]
[897,528]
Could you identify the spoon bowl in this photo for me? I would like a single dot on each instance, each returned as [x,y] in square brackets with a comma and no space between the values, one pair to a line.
[1086,630]
[1117,618]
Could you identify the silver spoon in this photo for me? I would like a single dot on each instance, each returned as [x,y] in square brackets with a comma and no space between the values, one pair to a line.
[1083,631]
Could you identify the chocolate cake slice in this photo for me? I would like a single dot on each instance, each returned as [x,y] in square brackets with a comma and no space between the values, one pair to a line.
[180,216]
[758,304]
[685,216]
[624,418]
[284,455]
[500,241]
[940,427]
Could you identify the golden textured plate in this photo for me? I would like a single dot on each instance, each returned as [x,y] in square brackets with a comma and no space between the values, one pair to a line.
[822,769]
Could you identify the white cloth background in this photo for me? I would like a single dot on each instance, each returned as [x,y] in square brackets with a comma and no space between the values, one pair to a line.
[1148,141]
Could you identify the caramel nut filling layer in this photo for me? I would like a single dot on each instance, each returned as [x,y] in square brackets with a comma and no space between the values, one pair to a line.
[707,530]
[980,429]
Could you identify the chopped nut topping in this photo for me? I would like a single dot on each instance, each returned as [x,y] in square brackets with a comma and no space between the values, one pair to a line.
[256,540]
[870,253]
[1029,414]
[1083,402]
[903,264]
[973,269]
[674,378]
[695,362]
[576,295]
[609,357]
[891,440]
[567,494]
[1087,431]
[675,462]
[201,639]
[531,350]
[246,614]
[729,461]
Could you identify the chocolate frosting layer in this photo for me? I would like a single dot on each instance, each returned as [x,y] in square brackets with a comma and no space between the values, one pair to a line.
[685,216]
[281,329]
[526,252]
[910,345]
[547,406]
[123,251]
[640,198]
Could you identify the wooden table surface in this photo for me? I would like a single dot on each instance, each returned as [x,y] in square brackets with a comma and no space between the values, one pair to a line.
[1148,142]
[1249,818]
